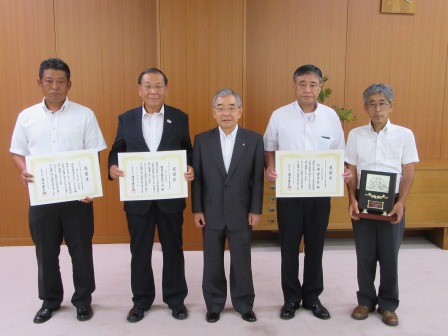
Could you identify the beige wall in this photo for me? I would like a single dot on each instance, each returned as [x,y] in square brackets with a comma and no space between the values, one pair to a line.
[252,46]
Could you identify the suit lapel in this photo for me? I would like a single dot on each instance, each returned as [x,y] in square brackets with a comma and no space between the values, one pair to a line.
[215,146]
[238,151]
[167,127]
[137,119]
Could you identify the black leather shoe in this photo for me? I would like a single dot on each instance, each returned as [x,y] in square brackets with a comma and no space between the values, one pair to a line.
[179,312]
[249,316]
[318,310]
[288,310]
[84,313]
[212,317]
[136,314]
[44,314]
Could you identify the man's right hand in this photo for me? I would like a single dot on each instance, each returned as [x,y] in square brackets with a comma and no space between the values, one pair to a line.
[271,174]
[115,172]
[353,210]
[26,177]
[199,219]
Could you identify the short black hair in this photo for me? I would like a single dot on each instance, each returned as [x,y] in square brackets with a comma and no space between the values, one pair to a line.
[308,69]
[152,70]
[55,64]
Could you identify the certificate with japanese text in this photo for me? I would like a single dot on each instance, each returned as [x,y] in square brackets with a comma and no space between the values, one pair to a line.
[65,176]
[151,176]
[309,173]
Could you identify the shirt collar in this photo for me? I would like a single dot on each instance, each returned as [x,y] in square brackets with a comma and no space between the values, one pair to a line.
[386,128]
[231,135]
[162,110]
[63,108]
[309,114]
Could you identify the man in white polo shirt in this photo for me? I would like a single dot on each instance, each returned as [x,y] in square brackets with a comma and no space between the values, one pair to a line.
[58,125]
[384,147]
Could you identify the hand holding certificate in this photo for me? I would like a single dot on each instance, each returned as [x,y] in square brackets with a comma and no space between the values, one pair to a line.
[62,177]
[309,173]
[153,175]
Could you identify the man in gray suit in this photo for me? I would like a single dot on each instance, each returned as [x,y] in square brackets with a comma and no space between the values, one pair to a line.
[227,198]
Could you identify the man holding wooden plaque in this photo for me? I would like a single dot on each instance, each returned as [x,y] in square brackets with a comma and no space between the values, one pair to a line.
[382,155]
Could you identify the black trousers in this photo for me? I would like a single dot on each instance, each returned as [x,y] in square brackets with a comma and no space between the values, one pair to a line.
[214,283]
[141,230]
[307,218]
[378,242]
[49,226]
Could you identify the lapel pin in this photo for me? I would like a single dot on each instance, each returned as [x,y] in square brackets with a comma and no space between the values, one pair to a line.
[168,121]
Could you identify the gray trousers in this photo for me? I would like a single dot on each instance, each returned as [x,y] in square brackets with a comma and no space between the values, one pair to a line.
[378,242]
[214,282]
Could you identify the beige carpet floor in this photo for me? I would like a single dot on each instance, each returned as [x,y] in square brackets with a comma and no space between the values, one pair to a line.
[423,287]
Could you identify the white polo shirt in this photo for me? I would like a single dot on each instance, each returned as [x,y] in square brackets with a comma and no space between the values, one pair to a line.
[290,128]
[385,151]
[40,131]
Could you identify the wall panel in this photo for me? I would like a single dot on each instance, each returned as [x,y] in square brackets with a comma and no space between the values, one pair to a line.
[283,35]
[410,53]
[252,46]
[107,44]
[26,32]
[201,52]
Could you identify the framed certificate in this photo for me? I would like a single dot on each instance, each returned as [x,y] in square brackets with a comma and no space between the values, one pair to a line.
[309,173]
[65,176]
[151,176]
[376,194]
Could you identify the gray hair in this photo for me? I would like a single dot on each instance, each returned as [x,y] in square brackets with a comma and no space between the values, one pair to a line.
[225,93]
[378,88]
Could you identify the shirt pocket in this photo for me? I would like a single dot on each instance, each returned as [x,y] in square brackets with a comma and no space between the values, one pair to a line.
[324,142]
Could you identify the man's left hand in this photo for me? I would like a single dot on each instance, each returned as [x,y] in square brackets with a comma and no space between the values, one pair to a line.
[398,210]
[347,175]
[86,200]
[189,175]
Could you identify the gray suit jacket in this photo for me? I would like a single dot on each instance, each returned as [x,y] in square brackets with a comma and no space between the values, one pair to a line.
[227,198]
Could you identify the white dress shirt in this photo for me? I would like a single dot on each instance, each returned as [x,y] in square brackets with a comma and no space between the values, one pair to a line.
[40,131]
[227,144]
[152,127]
[385,151]
[290,128]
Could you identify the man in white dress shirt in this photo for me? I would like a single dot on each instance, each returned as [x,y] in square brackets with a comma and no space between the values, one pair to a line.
[58,125]
[384,147]
[304,125]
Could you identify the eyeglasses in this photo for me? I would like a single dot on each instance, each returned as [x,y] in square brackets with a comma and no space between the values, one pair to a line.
[374,106]
[158,87]
[222,109]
